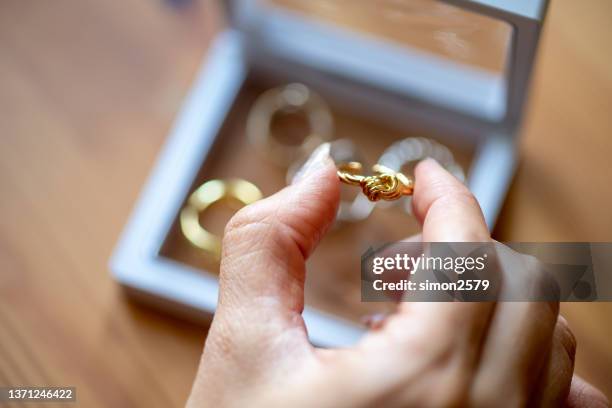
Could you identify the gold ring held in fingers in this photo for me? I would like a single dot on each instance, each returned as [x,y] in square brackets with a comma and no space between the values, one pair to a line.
[384,184]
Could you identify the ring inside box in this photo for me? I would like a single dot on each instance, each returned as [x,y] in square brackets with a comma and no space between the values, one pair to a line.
[333,277]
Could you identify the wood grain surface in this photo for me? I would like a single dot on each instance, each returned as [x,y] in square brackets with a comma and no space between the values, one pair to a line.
[88,92]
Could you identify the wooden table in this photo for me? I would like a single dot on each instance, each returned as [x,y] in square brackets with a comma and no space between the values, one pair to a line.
[88,91]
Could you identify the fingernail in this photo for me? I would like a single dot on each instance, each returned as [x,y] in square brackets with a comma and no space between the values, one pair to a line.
[317,159]
[374,321]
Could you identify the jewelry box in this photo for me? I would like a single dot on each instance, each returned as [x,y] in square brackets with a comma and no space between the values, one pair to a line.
[455,71]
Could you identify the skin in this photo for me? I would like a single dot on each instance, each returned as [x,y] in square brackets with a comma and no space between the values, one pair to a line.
[424,355]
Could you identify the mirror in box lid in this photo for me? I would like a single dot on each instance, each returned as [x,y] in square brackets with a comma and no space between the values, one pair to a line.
[427,50]
[434,27]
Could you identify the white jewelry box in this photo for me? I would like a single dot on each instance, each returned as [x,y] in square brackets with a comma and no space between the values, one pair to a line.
[375,75]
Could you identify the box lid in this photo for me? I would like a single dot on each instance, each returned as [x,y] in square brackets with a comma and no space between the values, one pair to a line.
[462,59]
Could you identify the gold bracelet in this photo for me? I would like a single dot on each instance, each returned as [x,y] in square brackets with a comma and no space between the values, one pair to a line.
[203,197]
[385,184]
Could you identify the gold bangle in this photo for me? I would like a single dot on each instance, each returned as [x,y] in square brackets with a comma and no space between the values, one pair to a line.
[287,99]
[385,184]
[203,197]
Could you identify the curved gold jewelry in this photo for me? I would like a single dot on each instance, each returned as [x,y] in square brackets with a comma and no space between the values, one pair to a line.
[203,197]
[288,99]
[385,184]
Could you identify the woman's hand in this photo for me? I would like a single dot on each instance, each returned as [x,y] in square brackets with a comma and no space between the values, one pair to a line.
[426,354]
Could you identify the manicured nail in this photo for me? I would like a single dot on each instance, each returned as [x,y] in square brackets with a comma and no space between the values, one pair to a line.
[317,159]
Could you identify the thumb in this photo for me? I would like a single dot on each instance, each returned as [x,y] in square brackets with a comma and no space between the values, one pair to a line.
[266,244]
[445,207]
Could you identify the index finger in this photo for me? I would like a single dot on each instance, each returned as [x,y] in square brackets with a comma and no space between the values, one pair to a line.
[445,207]
[448,212]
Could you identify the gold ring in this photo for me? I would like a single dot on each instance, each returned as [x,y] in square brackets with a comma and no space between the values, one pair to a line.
[385,184]
[292,98]
[203,197]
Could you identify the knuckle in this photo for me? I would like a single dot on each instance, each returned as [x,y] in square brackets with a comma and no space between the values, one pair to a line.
[534,268]
[464,195]
[532,263]
[241,219]
[247,223]
[566,337]
[256,229]
[458,194]
[542,283]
